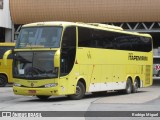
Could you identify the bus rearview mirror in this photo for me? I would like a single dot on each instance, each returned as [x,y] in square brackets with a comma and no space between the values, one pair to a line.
[5,56]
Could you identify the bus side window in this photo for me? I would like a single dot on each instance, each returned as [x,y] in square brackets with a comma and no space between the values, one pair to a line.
[68,50]
[69,38]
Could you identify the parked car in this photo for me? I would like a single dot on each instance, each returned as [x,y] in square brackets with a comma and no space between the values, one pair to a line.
[156,66]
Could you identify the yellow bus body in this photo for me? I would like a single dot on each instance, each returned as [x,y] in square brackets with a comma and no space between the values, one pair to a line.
[6,71]
[97,69]
[98,74]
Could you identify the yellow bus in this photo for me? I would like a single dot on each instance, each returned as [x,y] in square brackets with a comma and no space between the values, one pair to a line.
[66,58]
[5,71]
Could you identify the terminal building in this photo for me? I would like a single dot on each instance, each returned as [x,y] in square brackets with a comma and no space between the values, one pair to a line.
[132,15]
[5,22]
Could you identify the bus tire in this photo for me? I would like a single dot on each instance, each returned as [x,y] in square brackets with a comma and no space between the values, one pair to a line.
[135,86]
[128,88]
[80,92]
[3,81]
[42,97]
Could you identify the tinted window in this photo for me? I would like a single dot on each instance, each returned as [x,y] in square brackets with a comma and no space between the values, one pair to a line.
[69,37]
[112,40]
[134,43]
[91,38]
[123,43]
[68,50]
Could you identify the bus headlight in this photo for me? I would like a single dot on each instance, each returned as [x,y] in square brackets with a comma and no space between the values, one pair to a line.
[51,85]
[16,84]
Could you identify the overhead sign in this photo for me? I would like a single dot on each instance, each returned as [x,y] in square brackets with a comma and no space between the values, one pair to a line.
[1,4]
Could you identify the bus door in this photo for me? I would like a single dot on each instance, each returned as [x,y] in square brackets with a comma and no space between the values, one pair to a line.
[67,60]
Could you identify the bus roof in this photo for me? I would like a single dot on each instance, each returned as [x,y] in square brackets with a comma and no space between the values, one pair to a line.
[88,25]
[7,44]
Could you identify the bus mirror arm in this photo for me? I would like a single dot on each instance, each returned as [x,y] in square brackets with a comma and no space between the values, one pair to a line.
[5,56]
[57,59]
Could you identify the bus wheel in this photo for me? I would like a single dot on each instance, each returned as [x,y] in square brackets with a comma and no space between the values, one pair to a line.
[128,89]
[80,92]
[135,86]
[3,81]
[42,97]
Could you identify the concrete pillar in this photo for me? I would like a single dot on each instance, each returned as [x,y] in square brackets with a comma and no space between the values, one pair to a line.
[8,35]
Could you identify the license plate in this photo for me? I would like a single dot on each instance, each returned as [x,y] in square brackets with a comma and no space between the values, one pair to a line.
[32,91]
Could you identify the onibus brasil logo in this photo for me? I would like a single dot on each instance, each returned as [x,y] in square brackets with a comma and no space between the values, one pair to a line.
[21,114]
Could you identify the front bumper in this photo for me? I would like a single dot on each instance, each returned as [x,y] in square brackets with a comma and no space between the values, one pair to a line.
[52,91]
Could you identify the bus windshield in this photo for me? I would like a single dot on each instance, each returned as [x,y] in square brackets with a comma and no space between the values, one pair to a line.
[34,65]
[46,37]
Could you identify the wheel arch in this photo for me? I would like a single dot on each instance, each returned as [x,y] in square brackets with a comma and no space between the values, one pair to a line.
[82,80]
[129,78]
